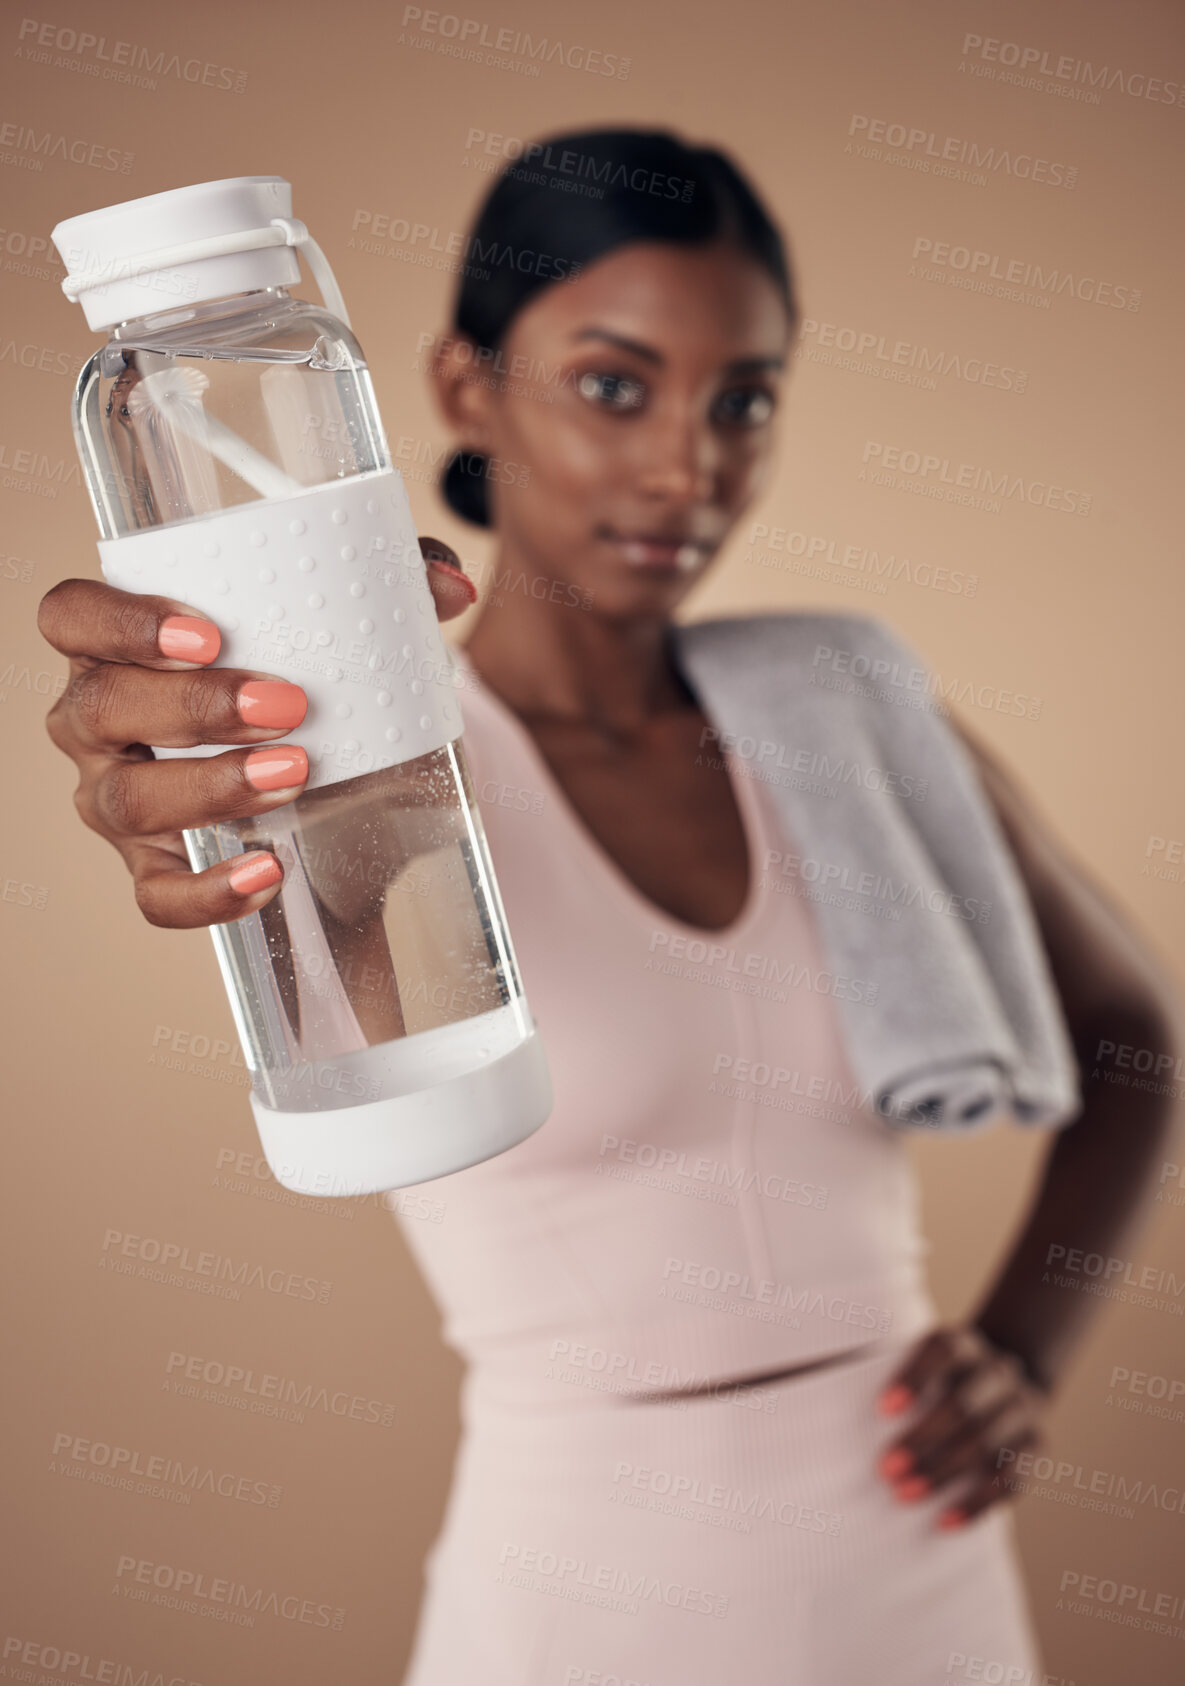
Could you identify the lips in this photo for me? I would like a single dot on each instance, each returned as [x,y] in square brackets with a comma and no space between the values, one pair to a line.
[677,551]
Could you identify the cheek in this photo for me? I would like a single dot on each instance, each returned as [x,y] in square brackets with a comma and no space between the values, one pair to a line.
[566,453]
[547,501]
[748,469]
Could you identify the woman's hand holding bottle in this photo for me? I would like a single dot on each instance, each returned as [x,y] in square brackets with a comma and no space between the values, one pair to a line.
[141,673]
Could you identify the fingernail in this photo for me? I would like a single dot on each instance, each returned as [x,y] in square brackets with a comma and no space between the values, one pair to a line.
[912,1488]
[433,554]
[455,573]
[254,872]
[952,1519]
[187,639]
[896,1461]
[272,702]
[277,768]
[895,1399]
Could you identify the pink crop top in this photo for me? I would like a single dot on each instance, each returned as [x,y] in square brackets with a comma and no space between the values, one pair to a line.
[711,1196]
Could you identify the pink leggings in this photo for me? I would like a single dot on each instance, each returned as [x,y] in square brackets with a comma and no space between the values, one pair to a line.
[739,1540]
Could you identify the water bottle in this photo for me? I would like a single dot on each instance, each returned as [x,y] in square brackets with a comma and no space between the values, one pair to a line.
[236,460]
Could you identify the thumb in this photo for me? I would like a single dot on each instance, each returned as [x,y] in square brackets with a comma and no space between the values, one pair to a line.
[452,590]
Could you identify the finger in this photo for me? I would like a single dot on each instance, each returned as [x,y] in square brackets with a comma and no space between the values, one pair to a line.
[95,622]
[113,705]
[143,798]
[988,1488]
[170,894]
[452,590]
[978,1447]
[988,1445]
[1010,1436]
[973,1503]
[942,1352]
[971,1396]
[960,1450]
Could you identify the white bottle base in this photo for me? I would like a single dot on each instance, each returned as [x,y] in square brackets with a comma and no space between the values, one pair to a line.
[381,1145]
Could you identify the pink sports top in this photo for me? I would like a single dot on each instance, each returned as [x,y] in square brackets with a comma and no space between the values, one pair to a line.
[711,1196]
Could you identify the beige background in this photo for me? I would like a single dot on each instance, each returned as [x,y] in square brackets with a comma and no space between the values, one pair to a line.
[1082,613]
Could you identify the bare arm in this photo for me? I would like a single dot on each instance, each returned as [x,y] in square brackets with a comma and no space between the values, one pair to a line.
[972,1395]
[1100,1174]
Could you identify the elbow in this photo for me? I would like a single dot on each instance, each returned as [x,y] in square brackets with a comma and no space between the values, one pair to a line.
[1141,1019]
[1146,1038]
[1135,1050]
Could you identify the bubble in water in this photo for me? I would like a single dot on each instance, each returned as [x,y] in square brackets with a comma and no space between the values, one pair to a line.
[328,354]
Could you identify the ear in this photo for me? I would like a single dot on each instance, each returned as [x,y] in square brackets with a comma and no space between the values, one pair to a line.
[461,397]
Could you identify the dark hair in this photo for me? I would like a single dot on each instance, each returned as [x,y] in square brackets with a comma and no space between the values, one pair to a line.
[575,197]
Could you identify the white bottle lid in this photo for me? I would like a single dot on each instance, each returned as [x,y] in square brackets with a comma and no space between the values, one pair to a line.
[105,251]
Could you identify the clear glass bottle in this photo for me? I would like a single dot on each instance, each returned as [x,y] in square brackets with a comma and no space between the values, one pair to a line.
[377,995]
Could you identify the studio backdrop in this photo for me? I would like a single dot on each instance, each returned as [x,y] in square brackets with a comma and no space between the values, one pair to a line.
[981,446]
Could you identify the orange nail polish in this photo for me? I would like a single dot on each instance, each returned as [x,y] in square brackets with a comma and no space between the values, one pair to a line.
[895,1399]
[952,1519]
[452,572]
[912,1488]
[185,638]
[254,872]
[277,768]
[272,703]
[896,1461]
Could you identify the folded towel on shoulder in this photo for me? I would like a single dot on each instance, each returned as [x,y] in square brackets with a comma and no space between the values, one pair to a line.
[914,886]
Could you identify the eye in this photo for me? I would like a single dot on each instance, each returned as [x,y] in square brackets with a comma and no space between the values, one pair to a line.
[745,406]
[613,392]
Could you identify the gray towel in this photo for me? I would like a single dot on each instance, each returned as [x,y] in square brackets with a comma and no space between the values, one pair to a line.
[913,884]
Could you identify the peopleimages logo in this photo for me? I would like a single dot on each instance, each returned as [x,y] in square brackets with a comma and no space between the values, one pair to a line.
[30,254]
[1112,1278]
[538,1569]
[875,886]
[672,1164]
[903,360]
[964,481]
[504,48]
[1121,1602]
[1092,1489]
[53,1659]
[882,569]
[181,1265]
[193,1376]
[433,247]
[854,672]
[154,1473]
[925,150]
[971,266]
[28,148]
[118,61]
[742,1294]
[1031,62]
[179,1588]
[719,1502]
[1135,1387]
[540,164]
[748,970]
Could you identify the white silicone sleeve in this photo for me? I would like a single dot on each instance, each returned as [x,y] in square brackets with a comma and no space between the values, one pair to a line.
[326,588]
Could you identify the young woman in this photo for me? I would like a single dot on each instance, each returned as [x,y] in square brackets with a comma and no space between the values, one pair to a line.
[654,1485]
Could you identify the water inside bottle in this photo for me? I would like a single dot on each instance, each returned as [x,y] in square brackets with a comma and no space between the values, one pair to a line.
[378,968]
[384,964]
[191,419]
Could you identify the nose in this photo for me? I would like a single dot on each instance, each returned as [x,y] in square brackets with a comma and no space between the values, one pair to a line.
[679,459]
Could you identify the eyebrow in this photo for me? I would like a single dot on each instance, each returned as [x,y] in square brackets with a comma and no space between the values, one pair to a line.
[741,365]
